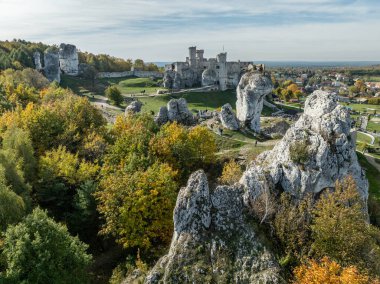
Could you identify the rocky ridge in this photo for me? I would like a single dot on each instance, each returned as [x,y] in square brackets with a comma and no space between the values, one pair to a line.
[215,239]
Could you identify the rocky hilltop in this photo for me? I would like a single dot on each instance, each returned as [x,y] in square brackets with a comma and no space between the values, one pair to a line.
[215,239]
[318,150]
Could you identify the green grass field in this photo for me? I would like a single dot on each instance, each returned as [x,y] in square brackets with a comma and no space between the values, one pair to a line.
[363,138]
[137,85]
[195,101]
[363,107]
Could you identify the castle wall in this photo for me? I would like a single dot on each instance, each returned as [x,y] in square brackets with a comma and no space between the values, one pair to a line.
[140,74]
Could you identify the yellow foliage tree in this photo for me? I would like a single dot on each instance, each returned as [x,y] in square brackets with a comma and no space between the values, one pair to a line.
[330,272]
[231,173]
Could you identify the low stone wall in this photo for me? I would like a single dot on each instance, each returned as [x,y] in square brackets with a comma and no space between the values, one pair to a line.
[141,74]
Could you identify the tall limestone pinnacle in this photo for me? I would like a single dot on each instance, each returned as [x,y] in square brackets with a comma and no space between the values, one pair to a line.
[251,91]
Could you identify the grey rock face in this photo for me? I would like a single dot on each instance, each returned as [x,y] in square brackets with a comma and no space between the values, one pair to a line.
[37,60]
[252,89]
[209,77]
[213,240]
[68,58]
[162,116]
[177,81]
[133,107]
[318,150]
[228,118]
[168,79]
[178,111]
[51,69]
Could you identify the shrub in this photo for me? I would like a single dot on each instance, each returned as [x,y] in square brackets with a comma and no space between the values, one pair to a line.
[114,95]
[328,271]
[231,174]
[299,152]
[39,250]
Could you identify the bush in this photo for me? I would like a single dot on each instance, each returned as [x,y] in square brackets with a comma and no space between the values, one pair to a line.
[39,250]
[299,152]
[328,271]
[231,173]
[114,95]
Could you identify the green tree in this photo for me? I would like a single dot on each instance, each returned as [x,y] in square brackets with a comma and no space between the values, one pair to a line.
[39,250]
[114,95]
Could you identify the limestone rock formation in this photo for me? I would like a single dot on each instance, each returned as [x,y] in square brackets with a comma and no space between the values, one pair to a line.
[209,77]
[68,58]
[133,107]
[252,89]
[214,241]
[228,118]
[37,60]
[162,116]
[51,69]
[318,150]
[178,111]
[177,82]
[168,79]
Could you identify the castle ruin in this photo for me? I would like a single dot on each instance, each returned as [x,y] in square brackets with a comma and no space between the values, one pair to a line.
[199,71]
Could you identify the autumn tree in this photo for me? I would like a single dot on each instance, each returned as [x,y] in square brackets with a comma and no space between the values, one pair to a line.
[329,272]
[138,206]
[340,229]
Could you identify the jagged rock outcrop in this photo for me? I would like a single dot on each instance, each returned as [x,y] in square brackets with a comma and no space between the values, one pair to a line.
[133,107]
[252,89]
[228,118]
[162,116]
[37,60]
[168,79]
[214,240]
[176,110]
[176,81]
[68,58]
[318,150]
[51,68]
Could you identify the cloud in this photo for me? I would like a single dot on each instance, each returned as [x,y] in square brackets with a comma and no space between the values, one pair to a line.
[162,29]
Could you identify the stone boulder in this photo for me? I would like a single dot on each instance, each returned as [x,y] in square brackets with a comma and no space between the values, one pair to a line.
[51,68]
[68,59]
[133,107]
[214,240]
[177,81]
[228,118]
[162,116]
[37,60]
[315,152]
[178,111]
[252,89]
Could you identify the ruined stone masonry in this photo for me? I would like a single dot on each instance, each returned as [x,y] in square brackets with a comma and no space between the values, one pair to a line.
[199,71]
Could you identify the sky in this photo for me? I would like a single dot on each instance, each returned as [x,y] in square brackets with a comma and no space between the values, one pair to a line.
[162,30]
